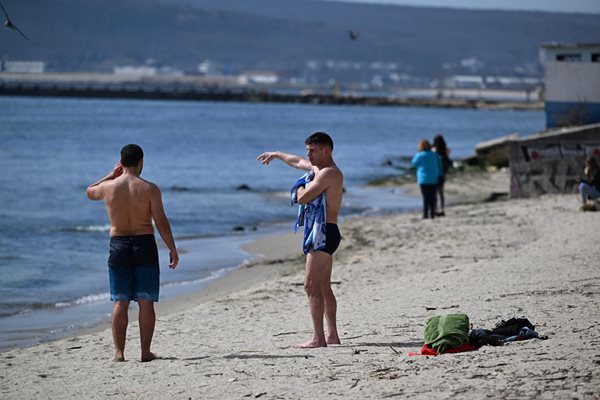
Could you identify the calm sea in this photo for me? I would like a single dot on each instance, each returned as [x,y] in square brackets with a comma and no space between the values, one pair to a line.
[53,240]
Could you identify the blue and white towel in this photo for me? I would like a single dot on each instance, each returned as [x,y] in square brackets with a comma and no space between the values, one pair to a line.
[312,216]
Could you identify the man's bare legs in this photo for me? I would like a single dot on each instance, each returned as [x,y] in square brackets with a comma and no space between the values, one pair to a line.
[147,320]
[120,319]
[321,300]
[330,305]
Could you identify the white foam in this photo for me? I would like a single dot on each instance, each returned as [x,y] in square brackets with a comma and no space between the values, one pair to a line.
[90,299]
[91,228]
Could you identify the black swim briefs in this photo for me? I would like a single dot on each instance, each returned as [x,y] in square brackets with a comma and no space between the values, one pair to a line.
[333,238]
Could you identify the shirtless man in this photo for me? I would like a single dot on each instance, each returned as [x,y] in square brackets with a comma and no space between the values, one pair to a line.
[132,203]
[317,280]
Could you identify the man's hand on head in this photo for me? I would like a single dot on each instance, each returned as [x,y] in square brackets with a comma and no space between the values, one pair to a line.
[117,171]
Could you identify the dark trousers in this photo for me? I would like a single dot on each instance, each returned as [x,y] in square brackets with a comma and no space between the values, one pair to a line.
[429,199]
[440,191]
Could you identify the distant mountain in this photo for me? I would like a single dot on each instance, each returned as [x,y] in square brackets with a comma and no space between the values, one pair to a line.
[97,35]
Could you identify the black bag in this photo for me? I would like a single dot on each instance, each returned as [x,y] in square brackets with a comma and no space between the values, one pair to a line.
[512,326]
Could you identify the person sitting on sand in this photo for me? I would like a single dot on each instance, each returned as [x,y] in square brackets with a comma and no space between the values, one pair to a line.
[328,179]
[429,169]
[132,203]
[589,185]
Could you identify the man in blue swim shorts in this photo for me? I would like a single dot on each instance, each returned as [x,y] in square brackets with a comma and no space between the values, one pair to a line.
[132,203]
[328,180]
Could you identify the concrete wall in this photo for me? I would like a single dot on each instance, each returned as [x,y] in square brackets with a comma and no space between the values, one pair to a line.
[549,162]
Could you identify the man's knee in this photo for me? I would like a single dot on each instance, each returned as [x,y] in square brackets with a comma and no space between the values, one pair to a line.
[146,305]
[121,306]
[327,292]
[311,287]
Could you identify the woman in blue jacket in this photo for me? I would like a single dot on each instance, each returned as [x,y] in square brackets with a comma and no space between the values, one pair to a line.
[429,169]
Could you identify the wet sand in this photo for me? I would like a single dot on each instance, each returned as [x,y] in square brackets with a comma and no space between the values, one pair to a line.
[536,258]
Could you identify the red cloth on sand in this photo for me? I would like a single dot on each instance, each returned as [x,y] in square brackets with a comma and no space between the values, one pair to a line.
[428,351]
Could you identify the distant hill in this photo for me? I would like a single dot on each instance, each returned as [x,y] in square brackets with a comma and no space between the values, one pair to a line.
[97,35]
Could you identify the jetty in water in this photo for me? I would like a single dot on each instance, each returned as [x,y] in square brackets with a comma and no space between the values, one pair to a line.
[223,89]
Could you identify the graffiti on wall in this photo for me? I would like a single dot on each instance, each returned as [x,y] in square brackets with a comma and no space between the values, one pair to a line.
[548,168]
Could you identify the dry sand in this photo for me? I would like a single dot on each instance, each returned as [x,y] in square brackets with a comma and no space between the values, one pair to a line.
[536,258]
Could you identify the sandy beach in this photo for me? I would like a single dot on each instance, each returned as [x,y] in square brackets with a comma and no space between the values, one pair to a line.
[537,258]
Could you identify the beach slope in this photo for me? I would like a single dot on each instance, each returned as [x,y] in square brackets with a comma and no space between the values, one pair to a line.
[537,258]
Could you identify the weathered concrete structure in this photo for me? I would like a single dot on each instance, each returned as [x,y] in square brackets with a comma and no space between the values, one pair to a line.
[549,162]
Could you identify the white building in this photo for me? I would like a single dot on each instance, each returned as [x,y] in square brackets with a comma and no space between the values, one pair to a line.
[572,75]
[134,71]
[28,67]
[259,77]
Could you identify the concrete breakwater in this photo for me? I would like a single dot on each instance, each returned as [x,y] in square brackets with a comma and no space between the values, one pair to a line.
[207,91]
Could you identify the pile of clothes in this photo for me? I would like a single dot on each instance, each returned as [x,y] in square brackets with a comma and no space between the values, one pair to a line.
[451,334]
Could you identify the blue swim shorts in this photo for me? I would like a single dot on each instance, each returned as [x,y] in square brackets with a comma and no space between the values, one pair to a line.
[133,268]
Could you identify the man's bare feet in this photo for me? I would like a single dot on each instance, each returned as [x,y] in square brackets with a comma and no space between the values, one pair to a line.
[311,344]
[333,340]
[148,357]
[119,357]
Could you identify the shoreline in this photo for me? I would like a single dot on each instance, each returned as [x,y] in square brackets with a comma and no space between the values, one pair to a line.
[244,250]
[490,260]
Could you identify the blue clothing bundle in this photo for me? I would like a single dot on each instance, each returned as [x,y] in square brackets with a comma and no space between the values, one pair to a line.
[429,167]
[312,216]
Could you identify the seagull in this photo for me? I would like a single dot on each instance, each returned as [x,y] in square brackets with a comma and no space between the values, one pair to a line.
[8,23]
[353,34]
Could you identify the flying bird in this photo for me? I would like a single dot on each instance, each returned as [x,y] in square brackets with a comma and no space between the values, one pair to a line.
[353,34]
[8,23]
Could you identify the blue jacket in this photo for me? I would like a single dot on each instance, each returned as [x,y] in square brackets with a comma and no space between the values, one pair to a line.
[429,167]
[311,215]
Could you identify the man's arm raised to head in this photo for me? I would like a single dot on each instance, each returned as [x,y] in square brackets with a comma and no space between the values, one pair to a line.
[290,159]
[95,192]
[325,178]
[162,224]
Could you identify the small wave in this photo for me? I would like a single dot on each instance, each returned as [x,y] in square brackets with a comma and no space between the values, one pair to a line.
[214,275]
[9,309]
[89,228]
[92,298]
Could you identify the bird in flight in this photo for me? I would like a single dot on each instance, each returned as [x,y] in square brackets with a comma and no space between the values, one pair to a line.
[8,23]
[353,34]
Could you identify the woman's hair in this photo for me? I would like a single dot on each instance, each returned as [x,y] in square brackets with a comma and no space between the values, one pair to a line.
[440,145]
[424,145]
[591,160]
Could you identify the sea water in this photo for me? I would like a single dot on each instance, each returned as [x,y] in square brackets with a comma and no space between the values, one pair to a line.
[54,241]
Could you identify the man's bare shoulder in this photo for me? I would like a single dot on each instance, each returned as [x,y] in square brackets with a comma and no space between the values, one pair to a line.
[152,189]
[332,172]
[145,184]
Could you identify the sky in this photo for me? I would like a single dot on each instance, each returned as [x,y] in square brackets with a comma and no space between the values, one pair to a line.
[580,6]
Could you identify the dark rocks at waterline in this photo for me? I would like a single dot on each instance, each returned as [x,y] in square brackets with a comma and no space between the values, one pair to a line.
[240,228]
[244,187]
[176,188]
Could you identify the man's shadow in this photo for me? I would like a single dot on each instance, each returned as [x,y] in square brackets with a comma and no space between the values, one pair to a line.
[390,344]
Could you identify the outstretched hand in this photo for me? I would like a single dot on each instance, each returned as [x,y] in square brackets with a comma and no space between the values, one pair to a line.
[266,157]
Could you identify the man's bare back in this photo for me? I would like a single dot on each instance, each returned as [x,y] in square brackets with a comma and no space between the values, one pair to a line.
[128,200]
[132,203]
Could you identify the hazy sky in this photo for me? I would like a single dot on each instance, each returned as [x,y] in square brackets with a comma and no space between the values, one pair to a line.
[583,6]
